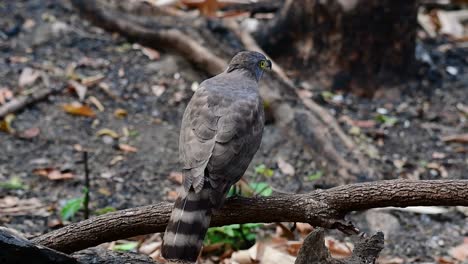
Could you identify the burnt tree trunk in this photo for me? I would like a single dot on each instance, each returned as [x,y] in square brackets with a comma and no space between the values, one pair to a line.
[346,44]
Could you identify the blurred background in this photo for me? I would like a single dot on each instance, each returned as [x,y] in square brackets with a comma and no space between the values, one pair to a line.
[362,90]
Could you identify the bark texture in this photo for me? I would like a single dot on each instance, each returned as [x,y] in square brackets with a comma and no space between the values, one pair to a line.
[324,208]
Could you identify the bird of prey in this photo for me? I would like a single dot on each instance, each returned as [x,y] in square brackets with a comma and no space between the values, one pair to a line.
[221,131]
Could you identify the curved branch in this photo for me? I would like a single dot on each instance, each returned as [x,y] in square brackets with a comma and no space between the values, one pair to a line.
[325,208]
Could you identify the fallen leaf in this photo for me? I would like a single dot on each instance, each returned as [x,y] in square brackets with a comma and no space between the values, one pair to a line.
[461,138]
[80,89]
[107,132]
[158,90]
[11,205]
[30,133]
[148,248]
[304,228]
[96,103]
[445,260]
[5,124]
[172,195]
[79,110]
[116,160]
[28,77]
[5,95]
[92,80]
[54,223]
[18,59]
[390,260]
[127,148]
[285,167]
[120,113]
[152,54]
[176,177]
[460,252]
[53,174]
[293,247]
[337,249]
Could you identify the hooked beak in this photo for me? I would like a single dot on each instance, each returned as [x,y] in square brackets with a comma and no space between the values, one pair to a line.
[269,64]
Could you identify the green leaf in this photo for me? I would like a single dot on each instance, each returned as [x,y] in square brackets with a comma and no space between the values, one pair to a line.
[262,169]
[386,120]
[70,208]
[261,188]
[14,183]
[327,95]
[105,210]
[317,175]
[126,246]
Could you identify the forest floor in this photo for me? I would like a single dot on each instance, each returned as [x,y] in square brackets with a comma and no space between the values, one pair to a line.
[142,95]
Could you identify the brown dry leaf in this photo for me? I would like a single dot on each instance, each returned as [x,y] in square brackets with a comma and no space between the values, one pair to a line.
[337,249]
[120,113]
[152,54]
[116,160]
[364,123]
[283,231]
[92,80]
[206,7]
[461,138]
[285,167]
[107,132]
[30,133]
[460,252]
[127,148]
[96,103]
[390,260]
[445,260]
[148,248]
[176,177]
[5,95]
[53,174]
[5,124]
[54,223]
[304,228]
[294,247]
[172,195]
[11,205]
[79,89]
[79,110]
[272,255]
[28,76]
[18,59]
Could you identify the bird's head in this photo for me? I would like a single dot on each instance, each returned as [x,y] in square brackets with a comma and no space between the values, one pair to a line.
[254,63]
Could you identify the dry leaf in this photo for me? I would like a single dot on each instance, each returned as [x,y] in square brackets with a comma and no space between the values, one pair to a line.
[107,132]
[337,249]
[206,7]
[54,223]
[96,103]
[285,167]
[28,76]
[148,248]
[5,95]
[460,252]
[11,205]
[80,89]
[158,90]
[79,110]
[120,113]
[5,124]
[461,138]
[294,247]
[390,260]
[445,260]
[152,54]
[116,160]
[304,228]
[53,174]
[172,195]
[176,177]
[30,133]
[92,80]
[127,148]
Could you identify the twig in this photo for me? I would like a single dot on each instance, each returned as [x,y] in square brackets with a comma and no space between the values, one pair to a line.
[86,193]
[22,101]
[325,208]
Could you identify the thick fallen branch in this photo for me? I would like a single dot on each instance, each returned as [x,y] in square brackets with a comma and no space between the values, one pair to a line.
[325,208]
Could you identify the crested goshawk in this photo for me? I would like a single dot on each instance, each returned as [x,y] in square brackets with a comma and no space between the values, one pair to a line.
[221,131]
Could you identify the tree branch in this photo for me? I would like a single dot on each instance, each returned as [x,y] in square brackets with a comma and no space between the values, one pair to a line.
[325,208]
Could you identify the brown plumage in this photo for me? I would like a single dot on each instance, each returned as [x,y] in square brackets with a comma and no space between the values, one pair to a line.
[221,131]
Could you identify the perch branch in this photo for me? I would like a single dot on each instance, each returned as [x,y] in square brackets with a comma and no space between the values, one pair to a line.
[325,208]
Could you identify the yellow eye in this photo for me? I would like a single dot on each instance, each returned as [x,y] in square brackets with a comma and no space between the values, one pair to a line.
[263,64]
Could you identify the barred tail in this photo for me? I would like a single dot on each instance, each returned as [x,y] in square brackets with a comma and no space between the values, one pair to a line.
[187,227]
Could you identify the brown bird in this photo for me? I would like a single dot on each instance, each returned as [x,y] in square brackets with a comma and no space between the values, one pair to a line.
[221,131]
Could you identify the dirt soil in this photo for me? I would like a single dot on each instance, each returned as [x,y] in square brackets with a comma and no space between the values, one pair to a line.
[403,141]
